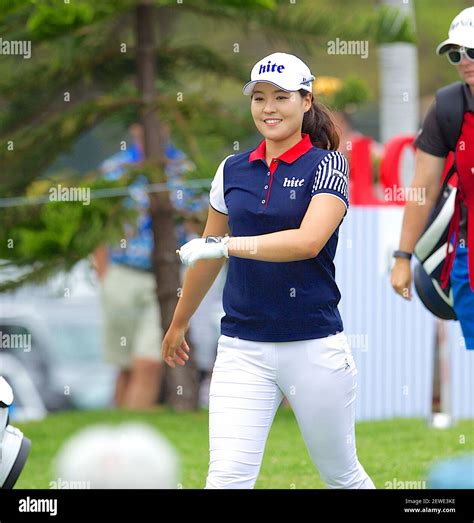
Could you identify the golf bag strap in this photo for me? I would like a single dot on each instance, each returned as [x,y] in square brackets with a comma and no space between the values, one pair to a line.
[449,175]
[454,227]
[451,249]
[450,108]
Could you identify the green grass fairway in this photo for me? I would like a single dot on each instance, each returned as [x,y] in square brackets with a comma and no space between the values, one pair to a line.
[398,449]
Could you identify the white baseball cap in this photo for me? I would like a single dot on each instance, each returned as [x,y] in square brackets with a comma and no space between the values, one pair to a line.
[283,70]
[461,31]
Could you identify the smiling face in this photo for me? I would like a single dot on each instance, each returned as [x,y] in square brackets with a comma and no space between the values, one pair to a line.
[278,114]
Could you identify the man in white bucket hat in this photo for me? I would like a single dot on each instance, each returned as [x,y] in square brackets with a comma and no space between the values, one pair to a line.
[447,127]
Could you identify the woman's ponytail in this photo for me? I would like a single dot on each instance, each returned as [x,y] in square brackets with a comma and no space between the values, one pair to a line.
[318,123]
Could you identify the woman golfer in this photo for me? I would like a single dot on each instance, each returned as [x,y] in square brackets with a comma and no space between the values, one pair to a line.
[282,204]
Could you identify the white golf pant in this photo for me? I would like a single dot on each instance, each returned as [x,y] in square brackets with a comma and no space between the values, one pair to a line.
[248,383]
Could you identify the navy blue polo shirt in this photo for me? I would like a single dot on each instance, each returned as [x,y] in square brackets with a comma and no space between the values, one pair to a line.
[279,301]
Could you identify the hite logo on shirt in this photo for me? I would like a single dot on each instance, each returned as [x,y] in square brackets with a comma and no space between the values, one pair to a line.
[293,182]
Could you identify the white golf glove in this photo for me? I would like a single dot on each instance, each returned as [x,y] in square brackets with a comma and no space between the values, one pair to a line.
[208,248]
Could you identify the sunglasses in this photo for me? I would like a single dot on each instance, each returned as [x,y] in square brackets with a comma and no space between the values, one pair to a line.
[455,55]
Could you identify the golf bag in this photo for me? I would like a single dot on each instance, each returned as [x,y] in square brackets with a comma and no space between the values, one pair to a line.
[431,248]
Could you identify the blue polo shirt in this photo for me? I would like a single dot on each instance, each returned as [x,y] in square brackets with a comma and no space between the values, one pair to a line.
[279,301]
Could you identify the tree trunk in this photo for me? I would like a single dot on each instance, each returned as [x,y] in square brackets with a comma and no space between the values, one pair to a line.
[180,384]
[399,111]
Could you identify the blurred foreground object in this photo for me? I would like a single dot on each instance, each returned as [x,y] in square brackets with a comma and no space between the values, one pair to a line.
[14,447]
[454,473]
[127,456]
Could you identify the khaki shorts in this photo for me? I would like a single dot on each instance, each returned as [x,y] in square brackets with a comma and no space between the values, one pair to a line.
[132,326]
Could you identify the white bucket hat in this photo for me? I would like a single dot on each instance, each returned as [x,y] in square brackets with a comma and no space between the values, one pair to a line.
[461,31]
[283,70]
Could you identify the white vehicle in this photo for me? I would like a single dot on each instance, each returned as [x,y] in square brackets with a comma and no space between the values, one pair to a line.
[54,330]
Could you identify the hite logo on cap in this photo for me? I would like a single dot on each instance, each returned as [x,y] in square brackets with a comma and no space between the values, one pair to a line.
[283,70]
[270,68]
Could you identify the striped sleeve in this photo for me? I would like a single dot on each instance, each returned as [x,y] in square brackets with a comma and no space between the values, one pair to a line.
[332,177]
[216,196]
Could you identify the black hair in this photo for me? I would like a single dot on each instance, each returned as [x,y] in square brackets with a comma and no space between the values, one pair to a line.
[317,122]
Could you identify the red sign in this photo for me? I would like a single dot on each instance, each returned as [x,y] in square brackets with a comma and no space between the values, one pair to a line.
[361,180]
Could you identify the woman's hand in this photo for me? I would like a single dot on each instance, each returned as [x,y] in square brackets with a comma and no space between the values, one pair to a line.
[401,278]
[201,249]
[174,348]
